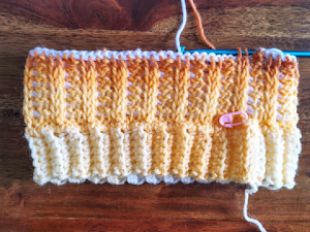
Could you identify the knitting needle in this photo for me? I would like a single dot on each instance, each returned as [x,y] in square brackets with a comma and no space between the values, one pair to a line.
[250,52]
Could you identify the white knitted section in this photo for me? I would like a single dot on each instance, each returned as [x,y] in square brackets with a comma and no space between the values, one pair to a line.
[274,159]
[282,155]
[103,156]
[58,156]
[256,157]
[119,156]
[78,148]
[39,160]
[100,160]
[292,150]
[182,138]
[141,155]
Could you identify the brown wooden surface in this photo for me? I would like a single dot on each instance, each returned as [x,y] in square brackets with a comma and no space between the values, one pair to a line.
[128,24]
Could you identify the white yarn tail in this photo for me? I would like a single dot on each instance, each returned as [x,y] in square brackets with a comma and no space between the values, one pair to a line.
[182,26]
[245,211]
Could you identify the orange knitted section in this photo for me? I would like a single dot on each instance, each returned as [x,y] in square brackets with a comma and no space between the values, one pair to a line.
[154,117]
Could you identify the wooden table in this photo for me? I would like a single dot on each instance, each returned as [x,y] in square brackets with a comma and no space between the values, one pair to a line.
[83,24]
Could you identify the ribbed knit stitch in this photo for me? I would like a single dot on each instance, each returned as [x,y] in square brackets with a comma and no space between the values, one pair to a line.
[135,116]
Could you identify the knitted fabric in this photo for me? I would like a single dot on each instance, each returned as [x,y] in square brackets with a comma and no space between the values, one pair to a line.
[137,116]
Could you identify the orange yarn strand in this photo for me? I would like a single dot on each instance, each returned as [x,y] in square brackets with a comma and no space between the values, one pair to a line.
[200,26]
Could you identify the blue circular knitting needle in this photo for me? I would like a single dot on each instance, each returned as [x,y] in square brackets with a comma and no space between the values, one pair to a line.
[250,52]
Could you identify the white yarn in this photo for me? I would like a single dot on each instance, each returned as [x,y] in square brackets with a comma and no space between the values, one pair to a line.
[138,53]
[181,28]
[245,211]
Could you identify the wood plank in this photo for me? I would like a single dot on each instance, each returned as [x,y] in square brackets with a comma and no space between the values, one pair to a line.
[130,24]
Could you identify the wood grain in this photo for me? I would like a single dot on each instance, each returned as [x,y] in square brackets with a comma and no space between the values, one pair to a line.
[128,24]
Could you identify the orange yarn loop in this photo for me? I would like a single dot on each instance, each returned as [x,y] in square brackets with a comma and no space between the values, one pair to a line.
[200,26]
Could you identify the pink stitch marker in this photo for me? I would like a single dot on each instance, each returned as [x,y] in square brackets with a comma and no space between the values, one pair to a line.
[227,120]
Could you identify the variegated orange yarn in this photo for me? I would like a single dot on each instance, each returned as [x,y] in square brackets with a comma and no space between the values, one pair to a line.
[155,117]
